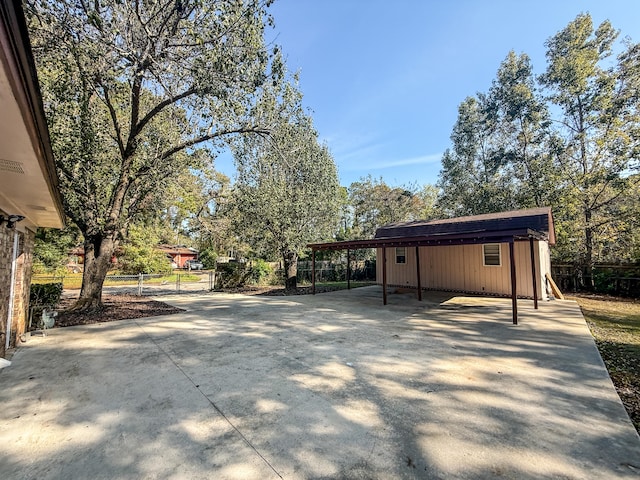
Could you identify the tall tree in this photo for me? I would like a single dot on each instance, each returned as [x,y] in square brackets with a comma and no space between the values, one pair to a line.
[599,123]
[374,204]
[523,133]
[473,177]
[131,90]
[287,192]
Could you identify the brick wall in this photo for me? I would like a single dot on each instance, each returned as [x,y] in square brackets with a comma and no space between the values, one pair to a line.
[22,284]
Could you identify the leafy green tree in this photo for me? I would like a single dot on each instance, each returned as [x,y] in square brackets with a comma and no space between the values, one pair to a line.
[132,90]
[135,259]
[51,247]
[523,135]
[474,178]
[599,126]
[286,193]
[208,257]
[138,253]
[374,204]
[508,151]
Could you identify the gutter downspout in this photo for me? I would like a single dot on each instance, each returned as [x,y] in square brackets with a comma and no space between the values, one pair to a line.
[12,288]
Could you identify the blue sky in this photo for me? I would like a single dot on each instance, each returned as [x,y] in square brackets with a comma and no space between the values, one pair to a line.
[384,79]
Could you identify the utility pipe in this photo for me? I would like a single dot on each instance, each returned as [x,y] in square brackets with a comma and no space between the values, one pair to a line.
[14,259]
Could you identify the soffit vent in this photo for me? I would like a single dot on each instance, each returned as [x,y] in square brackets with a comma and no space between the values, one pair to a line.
[11,166]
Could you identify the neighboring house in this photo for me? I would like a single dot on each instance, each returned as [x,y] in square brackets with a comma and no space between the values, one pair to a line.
[503,253]
[75,261]
[29,196]
[179,254]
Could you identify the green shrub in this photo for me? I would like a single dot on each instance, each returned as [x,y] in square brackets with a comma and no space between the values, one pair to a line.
[232,275]
[144,259]
[208,258]
[45,294]
[260,270]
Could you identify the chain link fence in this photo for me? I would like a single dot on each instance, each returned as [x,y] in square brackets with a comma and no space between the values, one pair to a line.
[331,271]
[145,284]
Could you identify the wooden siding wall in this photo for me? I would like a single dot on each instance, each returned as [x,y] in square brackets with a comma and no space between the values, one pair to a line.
[460,268]
[545,268]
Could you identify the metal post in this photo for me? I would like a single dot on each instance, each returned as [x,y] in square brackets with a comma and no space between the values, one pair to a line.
[514,299]
[140,280]
[384,276]
[348,270]
[533,275]
[178,283]
[418,272]
[313,272]
[210,281]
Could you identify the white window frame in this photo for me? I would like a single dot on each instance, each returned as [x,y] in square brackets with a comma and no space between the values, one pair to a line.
[491,254]
[403,256]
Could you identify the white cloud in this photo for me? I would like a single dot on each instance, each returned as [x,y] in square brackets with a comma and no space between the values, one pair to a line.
[380,165]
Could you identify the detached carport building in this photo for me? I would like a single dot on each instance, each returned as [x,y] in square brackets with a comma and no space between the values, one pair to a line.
[502,254]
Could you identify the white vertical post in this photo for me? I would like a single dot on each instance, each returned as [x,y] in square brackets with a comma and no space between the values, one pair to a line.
[14,261]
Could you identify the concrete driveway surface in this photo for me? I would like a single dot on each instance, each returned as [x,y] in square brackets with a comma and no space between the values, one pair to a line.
[326,386]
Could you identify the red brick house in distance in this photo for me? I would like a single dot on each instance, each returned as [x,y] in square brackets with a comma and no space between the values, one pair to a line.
[179,254]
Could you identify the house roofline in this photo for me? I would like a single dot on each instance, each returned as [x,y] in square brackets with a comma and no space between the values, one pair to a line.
[26,87]
[469,238]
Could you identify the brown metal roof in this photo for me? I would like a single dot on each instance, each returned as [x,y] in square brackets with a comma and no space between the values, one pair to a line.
[500,227]
[177,249]
[537,219]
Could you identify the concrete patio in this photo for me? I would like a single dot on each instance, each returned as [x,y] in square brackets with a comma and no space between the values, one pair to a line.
[327,386]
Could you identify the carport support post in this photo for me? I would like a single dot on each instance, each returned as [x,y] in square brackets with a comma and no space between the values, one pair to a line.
[418,272]
[313,272]
[348,270]
[533,274]
[384,275]
[514,298]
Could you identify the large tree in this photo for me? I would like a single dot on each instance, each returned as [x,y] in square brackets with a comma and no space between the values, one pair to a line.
[509,152]
[287,192]
[373,203]
[132,90]
[474,178]
[600,125]
[522,136]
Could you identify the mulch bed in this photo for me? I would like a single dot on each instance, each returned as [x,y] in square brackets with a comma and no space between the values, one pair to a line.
[116,307]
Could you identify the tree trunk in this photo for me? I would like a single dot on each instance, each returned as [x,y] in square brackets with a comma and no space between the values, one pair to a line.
[588,244]
[290,270]
[97,259]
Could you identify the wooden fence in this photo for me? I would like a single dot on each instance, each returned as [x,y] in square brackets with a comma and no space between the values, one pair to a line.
[611,279]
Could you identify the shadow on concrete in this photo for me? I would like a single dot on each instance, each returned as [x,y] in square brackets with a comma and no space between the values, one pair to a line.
[325,386]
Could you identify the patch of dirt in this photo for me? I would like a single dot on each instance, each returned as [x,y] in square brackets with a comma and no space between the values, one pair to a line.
[116,307]
[601,297]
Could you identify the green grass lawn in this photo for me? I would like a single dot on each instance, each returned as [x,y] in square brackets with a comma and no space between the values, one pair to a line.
[615,325]
[73,281]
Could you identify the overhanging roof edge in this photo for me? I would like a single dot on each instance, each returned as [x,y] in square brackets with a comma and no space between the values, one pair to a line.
[434,240]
